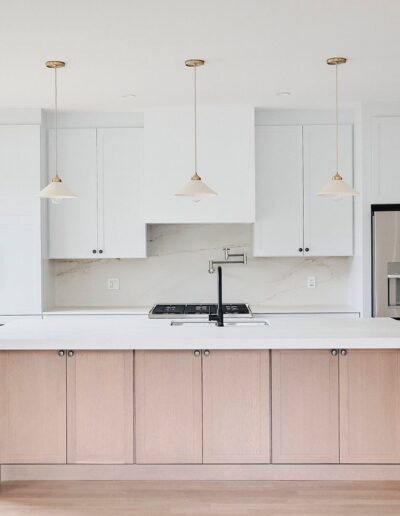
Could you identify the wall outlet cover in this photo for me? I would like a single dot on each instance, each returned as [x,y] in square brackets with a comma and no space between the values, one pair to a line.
[113,283]
[311,282]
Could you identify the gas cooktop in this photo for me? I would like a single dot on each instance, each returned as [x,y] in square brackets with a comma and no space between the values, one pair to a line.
[183,311]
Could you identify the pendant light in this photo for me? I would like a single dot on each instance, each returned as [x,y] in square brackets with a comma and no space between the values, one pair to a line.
[195,188]
[56,190]
[337,188]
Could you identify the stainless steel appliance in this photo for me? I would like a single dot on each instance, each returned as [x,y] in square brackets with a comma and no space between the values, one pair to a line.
[199,310]
[386,260]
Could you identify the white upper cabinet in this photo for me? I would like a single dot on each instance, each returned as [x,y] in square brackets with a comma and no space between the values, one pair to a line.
[328,223]
[103,167]
[292,164]
[73,222]
[225,147]
[20,220]
[278,230]
[121,233]
[385,159]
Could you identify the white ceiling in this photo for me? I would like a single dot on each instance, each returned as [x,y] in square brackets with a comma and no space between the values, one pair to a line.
[253,49]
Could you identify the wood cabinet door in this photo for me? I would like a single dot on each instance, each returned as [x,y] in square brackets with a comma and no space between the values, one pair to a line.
[73,223]
[236,423]
[100,407]
[370,406]
[32,407]
[328,224]
[278,230]
[168,407]
[305,419]
[122,231]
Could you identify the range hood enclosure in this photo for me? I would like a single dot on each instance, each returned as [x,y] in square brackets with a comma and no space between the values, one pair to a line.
[225,146]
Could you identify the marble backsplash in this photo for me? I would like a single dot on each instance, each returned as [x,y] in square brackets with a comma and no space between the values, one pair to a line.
[176,270]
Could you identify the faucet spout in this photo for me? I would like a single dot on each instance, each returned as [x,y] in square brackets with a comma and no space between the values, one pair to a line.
[219,316]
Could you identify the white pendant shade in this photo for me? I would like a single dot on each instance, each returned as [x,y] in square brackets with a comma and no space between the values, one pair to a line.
[56,190]
[337,188]
[196,189]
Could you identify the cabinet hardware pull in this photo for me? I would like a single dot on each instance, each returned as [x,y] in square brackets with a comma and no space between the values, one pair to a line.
[71,353]
[196,353]
[94,251]
[300,249]
[61,352]
[334,352]
[100,251]
[206,353]
[306,249]
[343,352]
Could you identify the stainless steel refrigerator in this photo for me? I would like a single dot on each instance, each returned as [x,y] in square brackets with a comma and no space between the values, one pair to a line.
[386,260]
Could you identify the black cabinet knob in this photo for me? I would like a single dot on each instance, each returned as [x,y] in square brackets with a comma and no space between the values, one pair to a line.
[94,251]
[306,249]
[300,249]
[100,251]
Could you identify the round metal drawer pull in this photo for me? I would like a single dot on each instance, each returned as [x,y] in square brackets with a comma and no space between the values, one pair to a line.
[343,352]
[196,353]
[61,352]
[206,353]
[334,352]
[70,353]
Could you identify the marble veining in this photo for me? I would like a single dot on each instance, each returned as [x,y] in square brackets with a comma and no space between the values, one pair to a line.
[176,270]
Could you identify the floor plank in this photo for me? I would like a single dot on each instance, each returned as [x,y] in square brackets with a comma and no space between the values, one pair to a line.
[199,498]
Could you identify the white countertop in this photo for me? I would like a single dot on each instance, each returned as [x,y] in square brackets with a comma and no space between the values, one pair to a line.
[139,332]
[256,309]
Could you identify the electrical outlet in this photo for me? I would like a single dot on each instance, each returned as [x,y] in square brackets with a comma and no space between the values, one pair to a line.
[311,282]
[113,283]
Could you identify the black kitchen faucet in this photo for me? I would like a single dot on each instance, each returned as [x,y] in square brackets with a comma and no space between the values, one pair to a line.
[219,316]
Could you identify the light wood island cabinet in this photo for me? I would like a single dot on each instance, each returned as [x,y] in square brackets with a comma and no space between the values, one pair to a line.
[100,407]
[32,407]
[305,411]
[236,411]
[168,407]
[370,406]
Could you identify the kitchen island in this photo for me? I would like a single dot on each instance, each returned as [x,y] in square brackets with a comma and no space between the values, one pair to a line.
[125,397]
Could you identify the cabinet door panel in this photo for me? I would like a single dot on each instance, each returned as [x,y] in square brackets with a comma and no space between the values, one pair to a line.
[20,247]
[168,407]
[122,232]
[370,406]
[236,407]
[100,407]
[305,419]
[328,223]
[32,407]
[278,230]
[73,222]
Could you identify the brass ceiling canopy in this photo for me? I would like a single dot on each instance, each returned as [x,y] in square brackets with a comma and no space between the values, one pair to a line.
[55,64]
[192,63]
[336,60]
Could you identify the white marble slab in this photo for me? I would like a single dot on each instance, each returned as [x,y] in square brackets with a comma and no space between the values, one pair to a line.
[139,332]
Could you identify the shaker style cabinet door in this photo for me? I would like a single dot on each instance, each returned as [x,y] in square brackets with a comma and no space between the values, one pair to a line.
[305,397]
[168,407]
[236,422]
[328,223]
[370,406]
[278,230]
[32,407]
[100,407]
[122,232]
[73,222]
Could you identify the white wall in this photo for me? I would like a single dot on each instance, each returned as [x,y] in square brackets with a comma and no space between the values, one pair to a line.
[177,271]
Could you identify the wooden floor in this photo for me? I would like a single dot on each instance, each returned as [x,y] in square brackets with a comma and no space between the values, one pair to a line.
[199,498]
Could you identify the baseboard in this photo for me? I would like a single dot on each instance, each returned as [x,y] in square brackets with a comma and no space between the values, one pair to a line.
[201,472]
